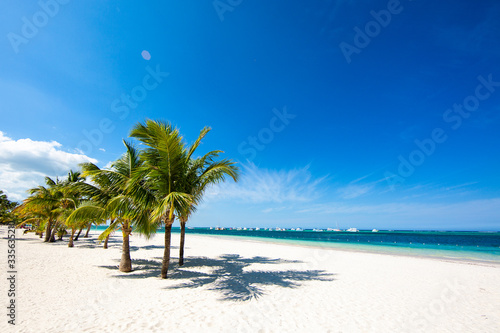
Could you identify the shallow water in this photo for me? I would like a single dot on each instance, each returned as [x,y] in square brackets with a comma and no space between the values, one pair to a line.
[481,246]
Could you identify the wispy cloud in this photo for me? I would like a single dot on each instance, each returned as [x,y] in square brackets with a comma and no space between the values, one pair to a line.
[361,178]
[357,188]
[271,186]
[24,163]
[354,191]
[275,209]
[448,188]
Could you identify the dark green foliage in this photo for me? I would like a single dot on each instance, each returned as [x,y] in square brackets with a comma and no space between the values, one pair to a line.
[6,208]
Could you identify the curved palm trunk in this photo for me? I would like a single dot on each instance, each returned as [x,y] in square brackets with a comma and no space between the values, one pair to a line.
[53,233]
[88,230]
[78,235]
[181,247]
[107,237]
[166,253]
[70,244]
[126,262]
[48,228]
[106,242]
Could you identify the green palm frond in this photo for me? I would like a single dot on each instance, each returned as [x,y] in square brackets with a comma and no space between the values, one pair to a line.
[174,202]
[32,220]
[196,144]
[109,230]
[50,182]
[85,213]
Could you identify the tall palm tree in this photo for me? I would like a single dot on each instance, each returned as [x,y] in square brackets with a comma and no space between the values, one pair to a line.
[156,185]
[200,174]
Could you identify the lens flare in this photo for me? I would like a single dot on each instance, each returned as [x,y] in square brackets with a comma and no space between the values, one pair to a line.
[145,54]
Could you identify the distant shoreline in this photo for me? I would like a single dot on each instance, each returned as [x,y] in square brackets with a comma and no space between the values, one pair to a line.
[467,254]
[372,250]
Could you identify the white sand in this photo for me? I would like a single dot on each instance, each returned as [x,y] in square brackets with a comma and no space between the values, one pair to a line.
[230,285]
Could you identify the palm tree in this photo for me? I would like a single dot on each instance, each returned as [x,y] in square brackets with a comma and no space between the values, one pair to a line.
[98,192]
[43,206]
[109,200]
[156,186]
[201,173]
[70,200]
[73,197]
[50,205]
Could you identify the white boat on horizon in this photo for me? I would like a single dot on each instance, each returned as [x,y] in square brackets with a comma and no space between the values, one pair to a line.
[352,230]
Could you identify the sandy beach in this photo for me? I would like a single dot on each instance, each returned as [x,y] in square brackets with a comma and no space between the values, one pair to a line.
[232,285]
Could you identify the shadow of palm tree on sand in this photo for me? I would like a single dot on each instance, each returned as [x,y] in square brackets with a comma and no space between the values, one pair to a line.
[228,275]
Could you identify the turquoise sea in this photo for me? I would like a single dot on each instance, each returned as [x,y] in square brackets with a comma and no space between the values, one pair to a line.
[461,245]
[477,246]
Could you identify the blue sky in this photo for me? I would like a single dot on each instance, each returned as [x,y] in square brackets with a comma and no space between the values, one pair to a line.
[376,114]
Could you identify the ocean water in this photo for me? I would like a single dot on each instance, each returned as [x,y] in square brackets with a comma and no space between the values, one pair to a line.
[475,246]
[455,245]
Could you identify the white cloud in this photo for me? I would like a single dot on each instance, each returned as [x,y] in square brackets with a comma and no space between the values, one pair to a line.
[108,165]
[270,186]
[24,163]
